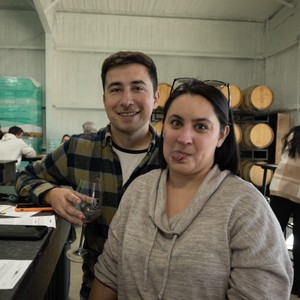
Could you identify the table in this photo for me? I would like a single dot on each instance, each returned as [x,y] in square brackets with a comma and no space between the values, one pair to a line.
[32,159]
[7,171]
[265,167]
[47,277]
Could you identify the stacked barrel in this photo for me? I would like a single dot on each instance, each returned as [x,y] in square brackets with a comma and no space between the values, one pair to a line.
[21,105]
[252,134]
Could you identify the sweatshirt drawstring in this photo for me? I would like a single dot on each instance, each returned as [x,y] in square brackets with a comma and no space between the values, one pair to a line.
[146,266]
[167,268]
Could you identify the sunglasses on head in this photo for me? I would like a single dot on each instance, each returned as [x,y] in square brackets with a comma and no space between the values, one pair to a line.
[215,83]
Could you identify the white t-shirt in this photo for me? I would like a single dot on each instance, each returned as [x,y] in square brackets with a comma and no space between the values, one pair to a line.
[129,160]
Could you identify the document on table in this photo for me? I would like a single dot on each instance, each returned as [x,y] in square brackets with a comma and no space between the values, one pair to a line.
[11,271]
[9,216]
[9,211]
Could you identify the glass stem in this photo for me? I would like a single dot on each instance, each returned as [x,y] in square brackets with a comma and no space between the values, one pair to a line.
[80,247]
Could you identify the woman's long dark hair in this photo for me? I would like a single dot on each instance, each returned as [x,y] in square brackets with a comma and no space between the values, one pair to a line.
[227,156]
[291,142]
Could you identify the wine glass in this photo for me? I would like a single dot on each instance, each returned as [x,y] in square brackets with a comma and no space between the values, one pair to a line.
[91,206]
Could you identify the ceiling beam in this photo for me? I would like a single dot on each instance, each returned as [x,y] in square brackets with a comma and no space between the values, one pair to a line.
[43,17]
[286,3]
[52,5]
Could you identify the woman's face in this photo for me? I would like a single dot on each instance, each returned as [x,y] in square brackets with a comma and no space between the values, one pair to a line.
[191,134]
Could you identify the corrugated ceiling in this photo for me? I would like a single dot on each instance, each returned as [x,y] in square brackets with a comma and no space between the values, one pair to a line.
[236,10]
[250,10]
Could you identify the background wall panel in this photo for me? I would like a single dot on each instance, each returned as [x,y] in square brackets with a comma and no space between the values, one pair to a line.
[285,82]
[68,66]
[22,45]
[159,35]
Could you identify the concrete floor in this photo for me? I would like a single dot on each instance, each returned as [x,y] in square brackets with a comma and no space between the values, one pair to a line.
[76,272]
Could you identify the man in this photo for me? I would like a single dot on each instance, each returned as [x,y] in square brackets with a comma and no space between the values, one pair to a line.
[12,146]
[89,127]
[117,154]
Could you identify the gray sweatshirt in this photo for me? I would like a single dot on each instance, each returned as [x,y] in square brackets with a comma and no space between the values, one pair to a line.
[227,244]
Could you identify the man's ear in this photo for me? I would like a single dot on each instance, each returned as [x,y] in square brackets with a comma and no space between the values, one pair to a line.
[156,99]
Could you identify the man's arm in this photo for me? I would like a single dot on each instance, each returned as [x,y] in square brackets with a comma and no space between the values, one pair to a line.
[43,181]
[27,150]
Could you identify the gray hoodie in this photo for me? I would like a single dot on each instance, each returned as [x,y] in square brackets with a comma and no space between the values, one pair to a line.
[227,244]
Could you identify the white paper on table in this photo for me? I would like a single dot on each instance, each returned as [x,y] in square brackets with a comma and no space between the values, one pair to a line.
[48,221]
[11,271]
[9,211]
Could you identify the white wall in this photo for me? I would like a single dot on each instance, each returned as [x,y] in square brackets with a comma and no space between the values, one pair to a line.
[180,47]
[283,62]
[69,71]
[22,45]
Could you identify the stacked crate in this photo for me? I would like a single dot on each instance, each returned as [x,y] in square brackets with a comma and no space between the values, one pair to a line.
[21,105]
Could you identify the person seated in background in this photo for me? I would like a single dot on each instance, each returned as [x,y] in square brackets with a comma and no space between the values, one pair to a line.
[285,194]
[194,229]
[89,127]
[12,146]
[64,138]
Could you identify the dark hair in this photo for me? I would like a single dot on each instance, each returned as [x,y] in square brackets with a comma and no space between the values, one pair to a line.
[291,142]
[63,137]
[126,58]
[227,156]
[15,130]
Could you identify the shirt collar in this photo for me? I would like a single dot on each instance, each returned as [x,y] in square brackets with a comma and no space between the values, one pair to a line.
[108,139]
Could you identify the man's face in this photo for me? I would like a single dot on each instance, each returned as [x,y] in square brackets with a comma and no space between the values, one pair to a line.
[129,99]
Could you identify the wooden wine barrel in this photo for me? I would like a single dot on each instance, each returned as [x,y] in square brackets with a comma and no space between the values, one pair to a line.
[238,133]
[158,126]
[259,135]
[164,92]
[257,97]
[236,95]
[254,173]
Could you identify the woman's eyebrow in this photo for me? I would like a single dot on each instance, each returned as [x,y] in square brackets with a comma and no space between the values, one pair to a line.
[194,120]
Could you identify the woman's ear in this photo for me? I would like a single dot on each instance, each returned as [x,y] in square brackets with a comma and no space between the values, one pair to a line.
[223,136]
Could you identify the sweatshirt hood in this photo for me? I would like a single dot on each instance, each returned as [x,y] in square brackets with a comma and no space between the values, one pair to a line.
[158,207]
[8,137]
[159,218]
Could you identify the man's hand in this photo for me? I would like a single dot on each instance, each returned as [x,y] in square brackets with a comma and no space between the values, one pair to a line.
[63,201]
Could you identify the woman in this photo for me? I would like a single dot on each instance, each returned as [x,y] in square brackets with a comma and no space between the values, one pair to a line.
[194,229]
[285,194]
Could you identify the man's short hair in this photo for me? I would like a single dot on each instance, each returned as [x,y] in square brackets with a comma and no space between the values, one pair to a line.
[129,57]
[15,130]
